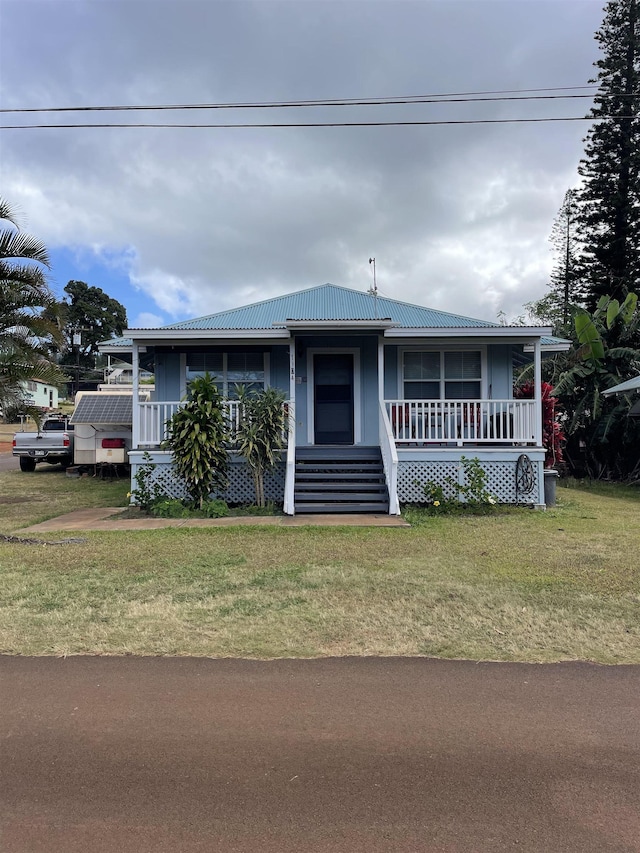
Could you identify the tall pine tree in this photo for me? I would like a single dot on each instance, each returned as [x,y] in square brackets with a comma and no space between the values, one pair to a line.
[609,199]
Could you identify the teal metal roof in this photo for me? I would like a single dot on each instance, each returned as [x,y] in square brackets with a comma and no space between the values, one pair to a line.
[325,303]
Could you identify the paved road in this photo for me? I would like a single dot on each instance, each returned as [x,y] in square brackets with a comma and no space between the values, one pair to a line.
[7,461]
[191,755]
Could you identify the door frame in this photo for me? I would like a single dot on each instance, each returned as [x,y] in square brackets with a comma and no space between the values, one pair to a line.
[357,393]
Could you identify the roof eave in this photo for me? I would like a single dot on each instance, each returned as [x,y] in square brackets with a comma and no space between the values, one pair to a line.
[507,333]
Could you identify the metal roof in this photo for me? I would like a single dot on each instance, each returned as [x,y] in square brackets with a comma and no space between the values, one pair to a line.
[325,303]
[629,385]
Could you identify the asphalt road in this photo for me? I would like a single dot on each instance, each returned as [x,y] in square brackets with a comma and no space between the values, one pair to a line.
[184,755]
[7,461]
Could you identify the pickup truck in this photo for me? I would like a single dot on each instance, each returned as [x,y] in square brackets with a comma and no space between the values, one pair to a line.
[53,443]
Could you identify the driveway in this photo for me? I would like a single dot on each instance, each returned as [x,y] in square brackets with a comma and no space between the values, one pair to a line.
[184,755]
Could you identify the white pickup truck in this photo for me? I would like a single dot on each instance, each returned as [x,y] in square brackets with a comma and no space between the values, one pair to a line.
[53,443]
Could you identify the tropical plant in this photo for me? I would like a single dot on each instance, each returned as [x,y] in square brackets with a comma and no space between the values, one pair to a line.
[260,433]
[553,436]
[26,336]
[197,436]
[600,436]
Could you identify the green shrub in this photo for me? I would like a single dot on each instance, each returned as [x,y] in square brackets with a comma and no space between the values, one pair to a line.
[471,492]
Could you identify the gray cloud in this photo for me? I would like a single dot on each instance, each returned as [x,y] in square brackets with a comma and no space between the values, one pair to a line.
[457,217]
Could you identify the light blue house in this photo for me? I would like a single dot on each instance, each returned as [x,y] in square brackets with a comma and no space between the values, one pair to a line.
[382,396]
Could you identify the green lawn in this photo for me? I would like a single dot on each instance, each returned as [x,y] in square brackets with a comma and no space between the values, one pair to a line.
[519,585]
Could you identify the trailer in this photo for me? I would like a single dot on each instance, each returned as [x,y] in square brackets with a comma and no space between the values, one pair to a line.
[103,429]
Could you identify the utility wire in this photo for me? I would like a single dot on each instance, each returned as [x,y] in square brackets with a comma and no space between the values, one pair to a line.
[317,124]
[451,97]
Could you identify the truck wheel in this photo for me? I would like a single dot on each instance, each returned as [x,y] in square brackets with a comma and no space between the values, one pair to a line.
[27,463]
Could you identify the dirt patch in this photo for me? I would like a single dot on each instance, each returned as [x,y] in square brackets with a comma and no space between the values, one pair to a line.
[5,499]
[5,446]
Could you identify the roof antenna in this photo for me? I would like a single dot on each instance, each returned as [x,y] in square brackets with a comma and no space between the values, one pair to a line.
[373,290]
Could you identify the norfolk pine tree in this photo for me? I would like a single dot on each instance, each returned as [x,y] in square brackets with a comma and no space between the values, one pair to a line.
[609,199]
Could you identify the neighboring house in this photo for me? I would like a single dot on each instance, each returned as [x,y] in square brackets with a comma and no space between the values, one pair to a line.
[625,388]
[382,396]
[39,394]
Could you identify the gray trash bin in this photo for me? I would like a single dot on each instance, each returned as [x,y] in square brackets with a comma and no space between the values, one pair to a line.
[550,480]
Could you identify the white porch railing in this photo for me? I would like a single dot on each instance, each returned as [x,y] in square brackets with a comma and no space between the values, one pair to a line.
[154,417]
[290,475]
[389,459]
[463,421]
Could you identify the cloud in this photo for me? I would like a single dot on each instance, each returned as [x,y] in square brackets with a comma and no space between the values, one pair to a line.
[209,219]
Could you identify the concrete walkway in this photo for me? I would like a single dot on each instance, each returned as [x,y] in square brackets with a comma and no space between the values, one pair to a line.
[111,518]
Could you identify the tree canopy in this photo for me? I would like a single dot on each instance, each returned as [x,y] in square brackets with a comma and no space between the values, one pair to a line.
[609,198]
[93,314]
[28,327]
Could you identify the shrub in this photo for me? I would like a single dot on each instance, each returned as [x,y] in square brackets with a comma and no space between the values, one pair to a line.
[197,437]
[470,493]
[147,493]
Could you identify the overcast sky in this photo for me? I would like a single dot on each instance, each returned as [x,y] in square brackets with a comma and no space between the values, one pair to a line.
[178,223]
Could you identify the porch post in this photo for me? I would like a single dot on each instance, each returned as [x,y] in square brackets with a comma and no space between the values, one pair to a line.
[380,368]
[537,361]
[135,401]
[292,369]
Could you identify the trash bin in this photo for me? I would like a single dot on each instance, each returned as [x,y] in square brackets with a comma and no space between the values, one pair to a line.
[550,480]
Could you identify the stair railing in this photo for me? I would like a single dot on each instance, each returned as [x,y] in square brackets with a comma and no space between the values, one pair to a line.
[389,458]
[290,475]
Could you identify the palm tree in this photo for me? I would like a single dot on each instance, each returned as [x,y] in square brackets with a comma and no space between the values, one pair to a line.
[25,334]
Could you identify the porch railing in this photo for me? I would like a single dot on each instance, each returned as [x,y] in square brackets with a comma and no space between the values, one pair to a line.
[389,459]
[153,419]
[463,422]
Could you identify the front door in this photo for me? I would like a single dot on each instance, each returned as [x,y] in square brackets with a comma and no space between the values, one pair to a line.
[333,398]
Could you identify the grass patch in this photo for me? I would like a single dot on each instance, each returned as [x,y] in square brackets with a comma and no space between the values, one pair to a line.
[515,585]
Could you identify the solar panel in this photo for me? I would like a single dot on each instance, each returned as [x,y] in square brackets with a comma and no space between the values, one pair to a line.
[103,409]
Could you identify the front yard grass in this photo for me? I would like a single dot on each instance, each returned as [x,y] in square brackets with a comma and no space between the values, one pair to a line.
[520,585]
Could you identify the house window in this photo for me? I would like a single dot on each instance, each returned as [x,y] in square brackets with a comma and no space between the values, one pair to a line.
[446,375]
[230,369]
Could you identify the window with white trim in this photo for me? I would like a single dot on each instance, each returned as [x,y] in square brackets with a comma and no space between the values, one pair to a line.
[230,370]
[442,375]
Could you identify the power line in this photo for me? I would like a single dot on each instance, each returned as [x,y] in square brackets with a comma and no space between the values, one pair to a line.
[257,125]
[450,97]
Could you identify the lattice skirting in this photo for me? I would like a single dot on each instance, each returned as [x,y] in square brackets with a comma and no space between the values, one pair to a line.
[240,490]
[501,479]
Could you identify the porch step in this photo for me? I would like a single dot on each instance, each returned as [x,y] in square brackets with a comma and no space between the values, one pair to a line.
[334,479]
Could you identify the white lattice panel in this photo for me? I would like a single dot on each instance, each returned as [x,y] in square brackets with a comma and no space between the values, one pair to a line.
[501,480]
[240,490]
[413,475]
